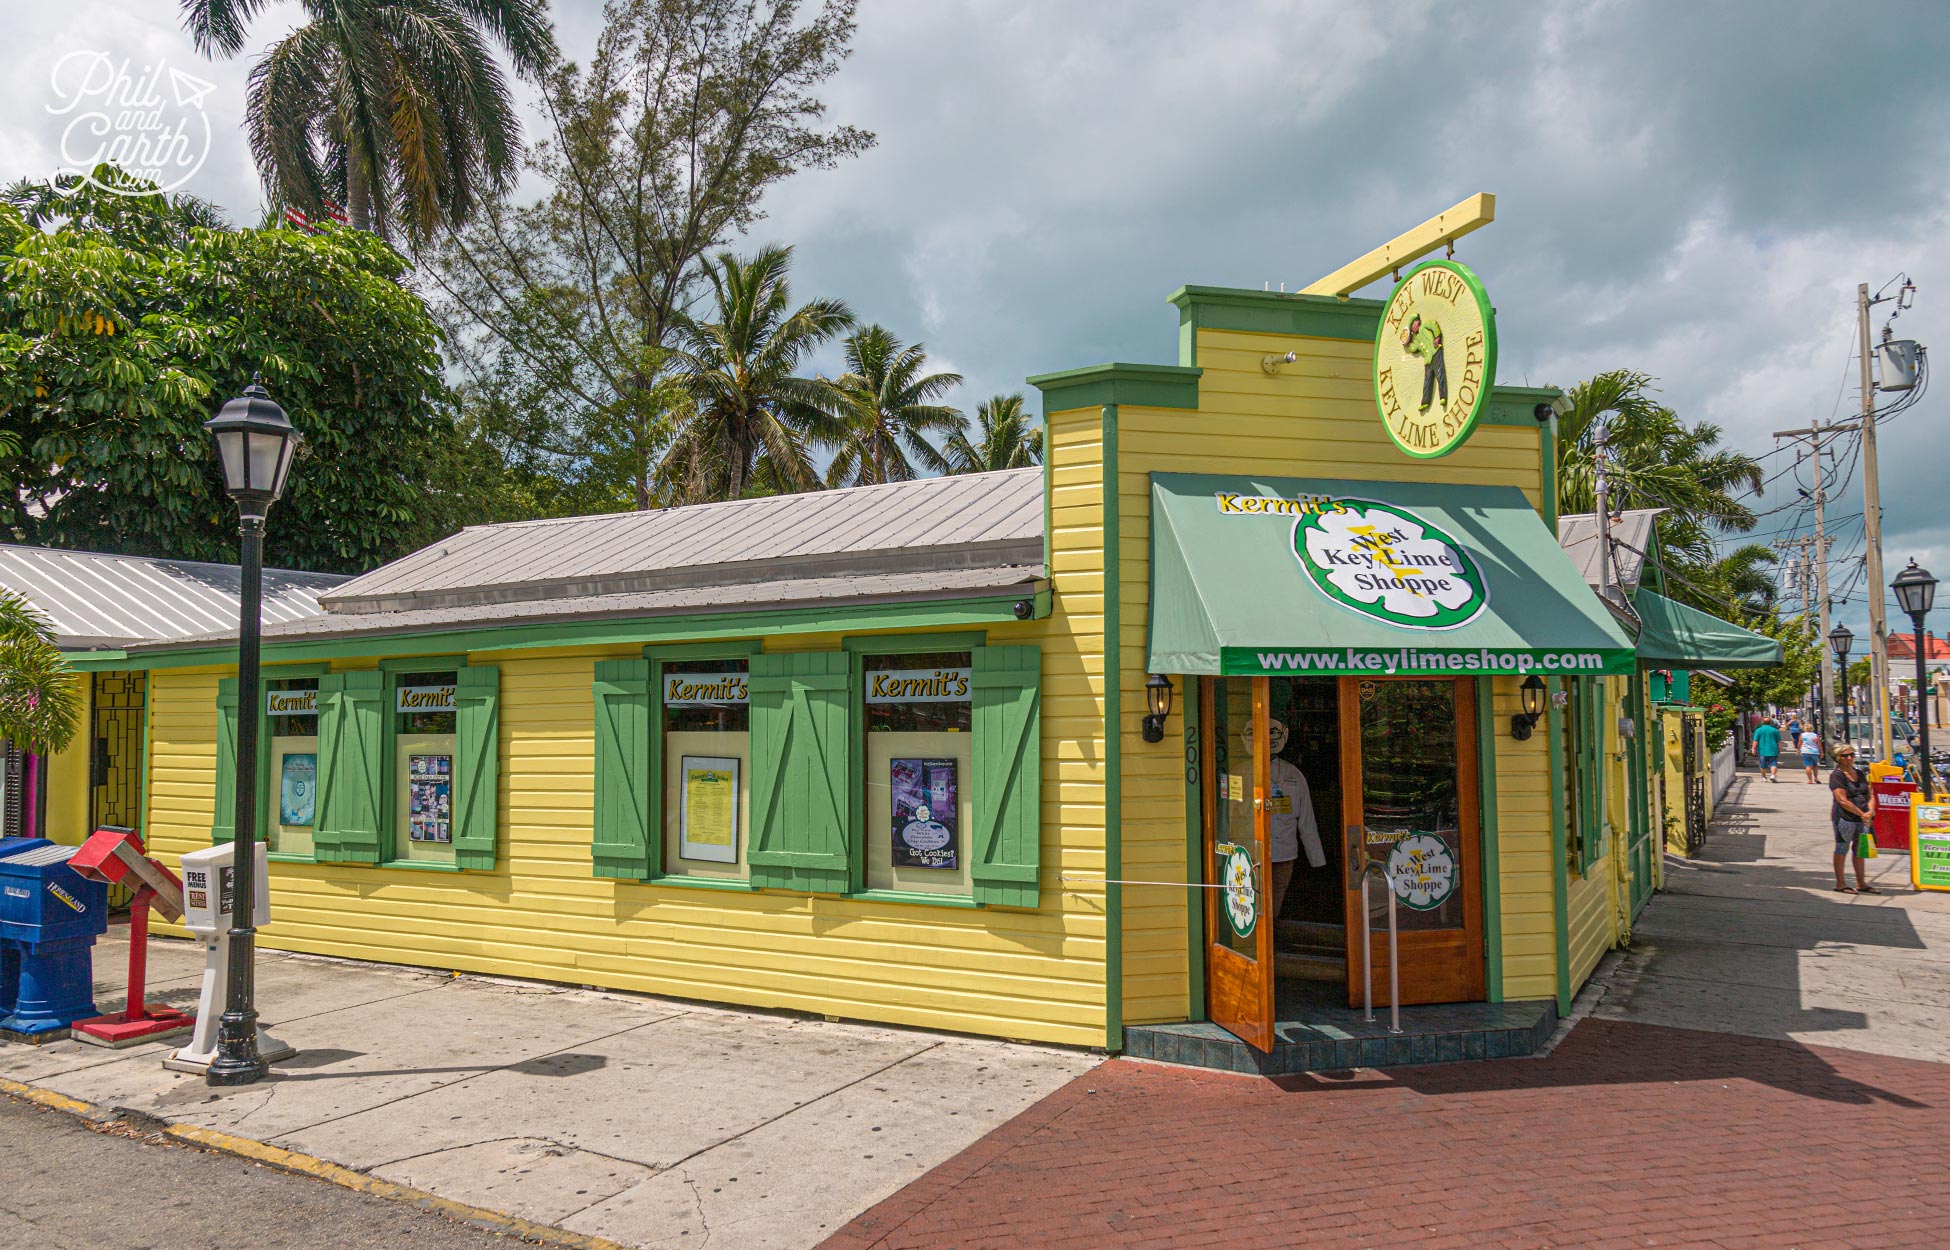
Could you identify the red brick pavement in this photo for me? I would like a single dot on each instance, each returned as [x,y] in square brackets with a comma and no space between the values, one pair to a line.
[1626,1136]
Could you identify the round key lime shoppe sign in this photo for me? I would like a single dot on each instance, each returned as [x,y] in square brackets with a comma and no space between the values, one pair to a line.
[1389,563]
[1434,358]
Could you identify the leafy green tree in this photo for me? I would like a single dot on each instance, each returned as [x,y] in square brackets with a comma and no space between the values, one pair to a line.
[394,108]
[40,699]
[888,405]
[1005,437]
[659,151]
[753,414]
[1655,460]
[125,320]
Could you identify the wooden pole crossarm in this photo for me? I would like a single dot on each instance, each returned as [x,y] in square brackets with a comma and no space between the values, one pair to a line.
[1438,231]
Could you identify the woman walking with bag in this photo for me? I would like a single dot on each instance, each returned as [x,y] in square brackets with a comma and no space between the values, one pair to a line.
[1852,814]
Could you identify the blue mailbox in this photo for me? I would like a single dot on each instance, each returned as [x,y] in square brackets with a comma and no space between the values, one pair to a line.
[50,916]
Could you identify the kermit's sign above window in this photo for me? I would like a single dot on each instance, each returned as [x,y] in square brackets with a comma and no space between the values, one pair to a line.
[1434,358]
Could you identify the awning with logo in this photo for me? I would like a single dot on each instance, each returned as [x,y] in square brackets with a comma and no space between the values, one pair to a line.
[1325,577]
[1676,636]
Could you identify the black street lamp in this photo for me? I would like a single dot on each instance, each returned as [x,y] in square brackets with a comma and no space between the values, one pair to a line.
[1916,593]
[1839,641]
[256,443]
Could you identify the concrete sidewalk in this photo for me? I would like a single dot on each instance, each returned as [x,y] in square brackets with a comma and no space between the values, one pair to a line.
[1752,938]
[648,1122]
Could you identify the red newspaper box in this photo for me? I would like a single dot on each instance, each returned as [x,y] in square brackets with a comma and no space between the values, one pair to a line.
[1892,813]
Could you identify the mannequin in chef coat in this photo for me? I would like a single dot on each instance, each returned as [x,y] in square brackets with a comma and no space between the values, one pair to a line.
[1290,820]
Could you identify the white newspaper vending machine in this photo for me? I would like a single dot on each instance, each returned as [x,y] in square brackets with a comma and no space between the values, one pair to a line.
[208,877]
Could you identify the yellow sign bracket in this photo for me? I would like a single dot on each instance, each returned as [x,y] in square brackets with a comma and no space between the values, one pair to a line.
[1439,231]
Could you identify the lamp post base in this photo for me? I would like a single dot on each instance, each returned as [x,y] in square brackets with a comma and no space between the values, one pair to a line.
[269,1051]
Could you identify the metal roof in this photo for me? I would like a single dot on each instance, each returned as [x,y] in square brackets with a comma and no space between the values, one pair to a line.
[1631,538]
[97,601]
[771,596]
[941,524]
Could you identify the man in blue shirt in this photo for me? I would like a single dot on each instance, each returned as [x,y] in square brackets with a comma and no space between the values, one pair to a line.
[1767,745]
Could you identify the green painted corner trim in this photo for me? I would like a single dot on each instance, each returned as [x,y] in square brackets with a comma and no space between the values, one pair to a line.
[1560,867]
[1273,312]
[1492,858]
[965,640]
[1106,386]
[917,898]
[1194,860]
[1547,464]
[1113,745]
[729,649]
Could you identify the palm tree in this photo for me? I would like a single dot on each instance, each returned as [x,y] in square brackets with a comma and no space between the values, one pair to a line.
[394,108]
[40,701]
[754,419]
[887,403]
[1655,460]
[1006,439]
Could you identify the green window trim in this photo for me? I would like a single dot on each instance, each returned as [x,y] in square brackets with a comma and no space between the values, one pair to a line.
[223,818]
[655,868]
[802,761]
[353,736]
[625,796]
[477,766]
[1005,844]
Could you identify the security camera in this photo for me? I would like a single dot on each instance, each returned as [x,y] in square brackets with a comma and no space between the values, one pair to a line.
[1024,609]
[1542,412]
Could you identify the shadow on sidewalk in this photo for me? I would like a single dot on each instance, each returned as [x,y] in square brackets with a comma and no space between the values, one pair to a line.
[1601,1053]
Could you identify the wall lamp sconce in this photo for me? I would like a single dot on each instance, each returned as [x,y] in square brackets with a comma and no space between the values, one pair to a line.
[1157,698]
[1533,694]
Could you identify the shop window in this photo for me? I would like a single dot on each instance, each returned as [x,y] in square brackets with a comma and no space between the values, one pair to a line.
[289,803]
[425,740]
[705,724]
[919,716]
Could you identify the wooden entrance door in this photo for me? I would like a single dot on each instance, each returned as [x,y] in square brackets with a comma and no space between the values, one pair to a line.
[1238,932]
[1409,795]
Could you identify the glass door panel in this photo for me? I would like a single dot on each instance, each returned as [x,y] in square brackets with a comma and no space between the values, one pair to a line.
[1239,935]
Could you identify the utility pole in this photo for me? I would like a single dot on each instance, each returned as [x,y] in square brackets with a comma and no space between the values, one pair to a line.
[1815,434]
[1872,532]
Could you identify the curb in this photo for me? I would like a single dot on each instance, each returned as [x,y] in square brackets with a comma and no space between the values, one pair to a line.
[297,1164]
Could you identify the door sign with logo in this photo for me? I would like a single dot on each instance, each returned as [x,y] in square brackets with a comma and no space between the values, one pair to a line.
[1423,870]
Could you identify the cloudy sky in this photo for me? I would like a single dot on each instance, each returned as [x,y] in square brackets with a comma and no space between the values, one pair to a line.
[1691,190]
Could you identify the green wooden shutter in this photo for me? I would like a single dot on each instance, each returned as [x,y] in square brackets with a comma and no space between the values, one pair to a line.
[477,764]
[223,818]
[351,767]
[626,781]
[801,735]
[1008,779]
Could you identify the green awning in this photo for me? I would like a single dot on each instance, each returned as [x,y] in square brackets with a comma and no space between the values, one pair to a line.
[1324,577]
[1676,636]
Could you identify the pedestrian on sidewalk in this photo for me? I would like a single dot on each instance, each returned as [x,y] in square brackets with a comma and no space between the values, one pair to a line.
[1767,747]
[1810,744]
[1852,814]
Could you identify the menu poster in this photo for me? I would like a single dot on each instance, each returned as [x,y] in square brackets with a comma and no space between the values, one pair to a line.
[709,819]
[297,789]
[429,798]
[924,812]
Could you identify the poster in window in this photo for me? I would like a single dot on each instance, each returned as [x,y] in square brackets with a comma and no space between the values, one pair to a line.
[297,788]
[709,819]
[429,798]
[924,813]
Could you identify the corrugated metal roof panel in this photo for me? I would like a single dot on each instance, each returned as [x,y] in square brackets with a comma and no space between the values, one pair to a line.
[771,595]
[1631,535]
[95,600]
[985,519]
